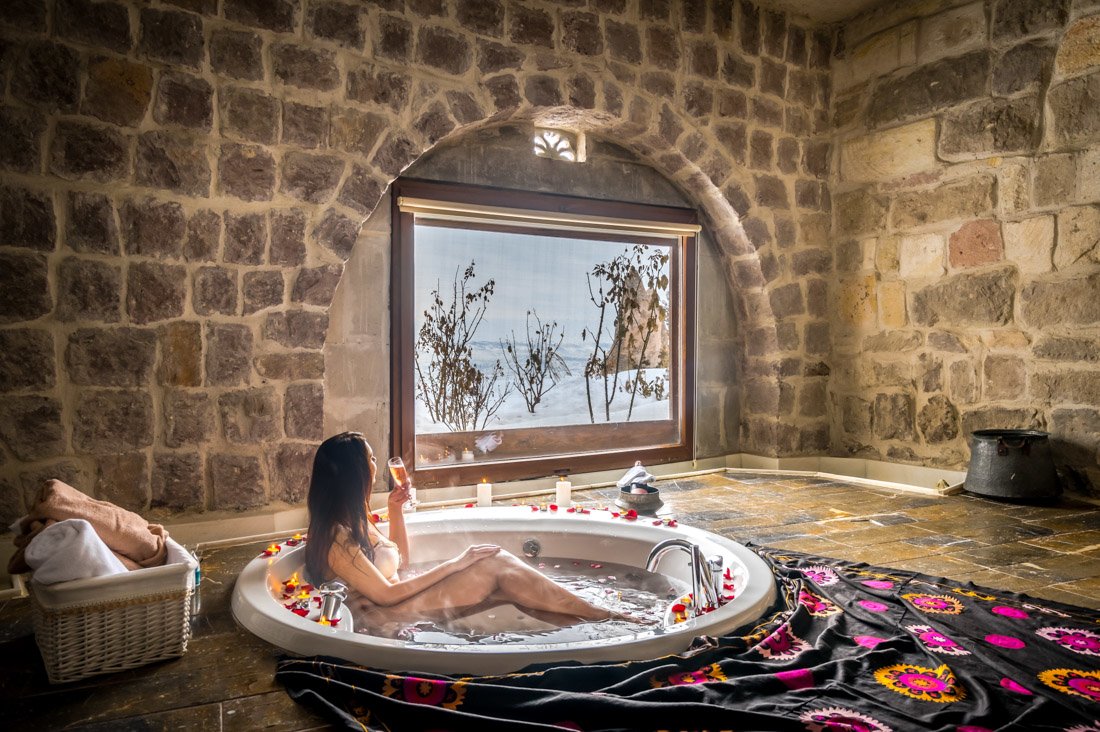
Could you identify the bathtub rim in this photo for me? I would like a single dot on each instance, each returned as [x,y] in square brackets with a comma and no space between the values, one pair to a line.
[255,609]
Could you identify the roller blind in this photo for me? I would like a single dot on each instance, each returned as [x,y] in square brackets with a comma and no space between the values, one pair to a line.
[468,212]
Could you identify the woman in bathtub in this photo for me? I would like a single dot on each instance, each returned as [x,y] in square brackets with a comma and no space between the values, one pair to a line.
[344,544]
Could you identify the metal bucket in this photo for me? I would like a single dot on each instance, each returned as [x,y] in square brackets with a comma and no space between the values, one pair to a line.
[1012,464]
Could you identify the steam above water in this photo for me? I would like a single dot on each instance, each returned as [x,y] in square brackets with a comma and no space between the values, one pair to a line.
[617,587]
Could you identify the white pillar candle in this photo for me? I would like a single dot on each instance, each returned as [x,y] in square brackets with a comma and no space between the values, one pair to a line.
[467,455]
[564,493]
[484,493]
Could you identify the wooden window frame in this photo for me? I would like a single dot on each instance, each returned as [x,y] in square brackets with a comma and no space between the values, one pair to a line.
[402,337]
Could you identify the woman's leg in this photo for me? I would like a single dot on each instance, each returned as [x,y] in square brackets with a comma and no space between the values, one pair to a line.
[503,578]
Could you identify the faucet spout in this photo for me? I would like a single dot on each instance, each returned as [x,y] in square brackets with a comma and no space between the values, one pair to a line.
[704,590]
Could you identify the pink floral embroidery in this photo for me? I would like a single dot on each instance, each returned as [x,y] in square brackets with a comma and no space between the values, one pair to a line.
[1009,612]
[875,607]
[937,642]
[837,719]
[1004,641]
[782,644]
[868,641]
[1074,639]
[818,606]
[798,678]
[1013,686]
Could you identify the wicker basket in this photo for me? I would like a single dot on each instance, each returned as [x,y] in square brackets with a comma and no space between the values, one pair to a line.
[107,624]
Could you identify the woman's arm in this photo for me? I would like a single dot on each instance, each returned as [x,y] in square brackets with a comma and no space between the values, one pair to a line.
[350,564]
[398,535]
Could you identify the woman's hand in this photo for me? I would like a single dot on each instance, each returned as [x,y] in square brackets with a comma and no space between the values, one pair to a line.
[398,497]
[475,553]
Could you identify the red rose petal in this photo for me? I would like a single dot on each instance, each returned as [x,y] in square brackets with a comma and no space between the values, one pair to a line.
[469,505]
[679,608]
[300,611]
[553,507]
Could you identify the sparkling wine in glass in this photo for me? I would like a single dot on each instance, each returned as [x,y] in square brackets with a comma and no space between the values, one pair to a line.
[401,477]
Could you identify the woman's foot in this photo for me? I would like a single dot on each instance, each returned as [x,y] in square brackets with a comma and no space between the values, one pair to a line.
[630,618]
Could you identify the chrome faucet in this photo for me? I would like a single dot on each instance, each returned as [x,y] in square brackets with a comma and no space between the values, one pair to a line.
[705,574]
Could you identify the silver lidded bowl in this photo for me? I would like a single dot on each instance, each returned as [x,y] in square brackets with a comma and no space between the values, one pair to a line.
[643,498]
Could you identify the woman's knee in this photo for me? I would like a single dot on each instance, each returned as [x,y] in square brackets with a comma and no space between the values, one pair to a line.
[504,561]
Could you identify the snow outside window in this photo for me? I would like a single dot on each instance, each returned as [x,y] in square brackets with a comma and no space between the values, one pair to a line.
[536,334]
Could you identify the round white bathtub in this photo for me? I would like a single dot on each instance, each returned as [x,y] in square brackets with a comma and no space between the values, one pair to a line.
[258,602]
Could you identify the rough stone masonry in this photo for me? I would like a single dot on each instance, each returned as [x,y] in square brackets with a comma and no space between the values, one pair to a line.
[966,226]
[182,181]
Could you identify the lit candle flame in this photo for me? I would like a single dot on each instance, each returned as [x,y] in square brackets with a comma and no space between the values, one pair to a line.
[297,537]
[273,548]
[324,621]
[484,480]
[303,595]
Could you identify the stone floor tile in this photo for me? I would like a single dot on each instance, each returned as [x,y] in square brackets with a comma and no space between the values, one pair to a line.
[995,580]
[1088,586]
[1060,568]
[1006,533]
[1080,522]
[871,534]
[945,542]
[1076,541]
[888,554]
[1062,593]
[817,545]
[1000,555]
[939,565]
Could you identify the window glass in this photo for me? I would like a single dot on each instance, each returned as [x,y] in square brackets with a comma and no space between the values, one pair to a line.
[532,345]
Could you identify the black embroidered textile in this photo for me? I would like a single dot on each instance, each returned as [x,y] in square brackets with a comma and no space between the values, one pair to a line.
[847,647]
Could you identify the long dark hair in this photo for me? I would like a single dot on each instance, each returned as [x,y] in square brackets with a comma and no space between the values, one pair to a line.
[338,494]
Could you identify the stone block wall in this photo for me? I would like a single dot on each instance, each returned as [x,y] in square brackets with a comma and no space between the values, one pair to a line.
[966,189]
[182,182]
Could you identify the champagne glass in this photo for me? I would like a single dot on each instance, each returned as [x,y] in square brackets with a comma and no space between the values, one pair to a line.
[401,477]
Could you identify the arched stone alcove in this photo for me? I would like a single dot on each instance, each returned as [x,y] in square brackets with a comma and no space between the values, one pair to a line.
[357,363]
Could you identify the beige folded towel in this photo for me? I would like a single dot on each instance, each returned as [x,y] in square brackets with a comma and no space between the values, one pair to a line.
[135,541]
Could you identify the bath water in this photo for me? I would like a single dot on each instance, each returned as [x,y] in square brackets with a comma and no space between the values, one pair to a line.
[617,587]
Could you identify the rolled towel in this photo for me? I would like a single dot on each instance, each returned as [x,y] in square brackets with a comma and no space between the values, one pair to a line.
[637,474]
[137,542]
[69,550]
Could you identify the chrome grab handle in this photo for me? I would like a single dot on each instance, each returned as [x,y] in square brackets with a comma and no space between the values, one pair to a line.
[333,595]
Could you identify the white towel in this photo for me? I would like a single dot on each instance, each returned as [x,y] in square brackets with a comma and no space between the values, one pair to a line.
[70,550]
[637,474]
